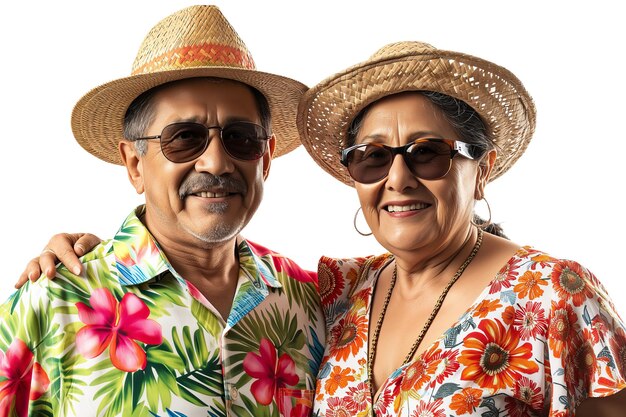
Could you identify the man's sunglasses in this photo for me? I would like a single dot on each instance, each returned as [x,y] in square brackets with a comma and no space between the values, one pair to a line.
[185,141]
[428,159]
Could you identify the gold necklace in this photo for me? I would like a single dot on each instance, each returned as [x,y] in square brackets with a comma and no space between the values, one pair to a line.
[429,321]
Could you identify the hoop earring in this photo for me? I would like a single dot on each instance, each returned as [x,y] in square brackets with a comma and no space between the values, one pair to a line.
[355,226]
[485,223]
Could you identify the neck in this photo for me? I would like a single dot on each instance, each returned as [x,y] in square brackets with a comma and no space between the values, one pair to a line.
[423,268]
[200,262]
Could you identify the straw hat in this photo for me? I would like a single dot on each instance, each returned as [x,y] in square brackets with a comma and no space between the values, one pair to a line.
[194,42]
[326,110]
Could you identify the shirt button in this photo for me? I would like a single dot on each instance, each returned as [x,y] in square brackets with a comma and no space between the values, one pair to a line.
[233,393]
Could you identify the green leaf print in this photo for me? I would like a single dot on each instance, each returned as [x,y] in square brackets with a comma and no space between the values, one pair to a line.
[202,370]
[305,295]
[206,318]
[66,385]
[253,409]
[157,292]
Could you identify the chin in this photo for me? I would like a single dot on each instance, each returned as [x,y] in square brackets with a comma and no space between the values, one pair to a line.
[403,240]
[216,234]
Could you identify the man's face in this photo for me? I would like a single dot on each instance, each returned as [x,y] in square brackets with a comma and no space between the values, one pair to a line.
[207,201]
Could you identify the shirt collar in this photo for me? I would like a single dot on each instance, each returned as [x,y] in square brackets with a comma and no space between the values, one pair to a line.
[138,257]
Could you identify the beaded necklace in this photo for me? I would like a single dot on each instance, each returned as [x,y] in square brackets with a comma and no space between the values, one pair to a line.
[431,317]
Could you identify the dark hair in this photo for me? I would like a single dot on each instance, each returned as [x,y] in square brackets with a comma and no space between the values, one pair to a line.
[140,113]
[466,122]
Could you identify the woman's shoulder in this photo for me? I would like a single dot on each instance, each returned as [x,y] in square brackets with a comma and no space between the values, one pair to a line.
[373,262]
[338,277]
[564,280]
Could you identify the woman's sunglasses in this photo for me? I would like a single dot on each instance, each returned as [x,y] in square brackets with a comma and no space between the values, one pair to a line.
[185,141]
[428,159]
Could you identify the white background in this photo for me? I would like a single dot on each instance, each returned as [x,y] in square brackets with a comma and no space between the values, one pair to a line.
[564,195]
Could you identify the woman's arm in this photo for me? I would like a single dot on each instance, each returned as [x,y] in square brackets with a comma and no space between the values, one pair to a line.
[611,406]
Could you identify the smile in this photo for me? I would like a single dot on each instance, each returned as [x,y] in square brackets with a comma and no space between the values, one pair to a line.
[409,207]
[207,194]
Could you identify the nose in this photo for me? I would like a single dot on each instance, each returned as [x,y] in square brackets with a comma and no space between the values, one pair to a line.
[400,177]
[215,160]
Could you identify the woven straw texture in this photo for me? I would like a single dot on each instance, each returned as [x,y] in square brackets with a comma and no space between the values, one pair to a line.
[194,42]
[327,109]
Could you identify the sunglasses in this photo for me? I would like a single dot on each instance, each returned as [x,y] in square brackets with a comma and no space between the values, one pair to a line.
[428,159]
[185,141]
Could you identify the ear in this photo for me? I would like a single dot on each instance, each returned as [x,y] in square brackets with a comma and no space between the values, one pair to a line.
[485,165]
[133,163]
[267,158]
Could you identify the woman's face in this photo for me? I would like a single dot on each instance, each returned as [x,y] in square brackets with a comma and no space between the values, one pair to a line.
[404,212]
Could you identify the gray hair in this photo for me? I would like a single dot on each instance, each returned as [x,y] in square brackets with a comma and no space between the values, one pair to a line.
[140,114]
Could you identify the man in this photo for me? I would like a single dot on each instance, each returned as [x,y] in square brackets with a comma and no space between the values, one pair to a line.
[177,314]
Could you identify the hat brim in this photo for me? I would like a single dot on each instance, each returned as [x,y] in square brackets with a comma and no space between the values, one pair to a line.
[98,117]
[327,110]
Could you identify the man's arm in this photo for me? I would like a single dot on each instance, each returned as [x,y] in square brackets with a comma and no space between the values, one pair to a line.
[62,247]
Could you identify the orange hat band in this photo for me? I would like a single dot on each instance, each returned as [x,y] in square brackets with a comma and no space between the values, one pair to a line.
[207,54]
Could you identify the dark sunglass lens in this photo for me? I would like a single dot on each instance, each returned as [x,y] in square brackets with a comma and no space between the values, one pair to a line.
[246,141]
[429,159]
[182,142]
[369,163]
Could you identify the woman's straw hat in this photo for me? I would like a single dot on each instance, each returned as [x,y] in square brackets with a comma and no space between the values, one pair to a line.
[326,110]
[194,42]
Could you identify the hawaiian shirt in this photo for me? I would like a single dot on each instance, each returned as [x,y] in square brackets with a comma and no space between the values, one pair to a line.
[132,337]
[541,337]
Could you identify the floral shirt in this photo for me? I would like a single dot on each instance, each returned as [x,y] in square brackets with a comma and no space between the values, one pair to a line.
[541,337]
[132,337]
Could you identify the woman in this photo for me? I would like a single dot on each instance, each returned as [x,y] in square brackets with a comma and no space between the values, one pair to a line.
[453,320]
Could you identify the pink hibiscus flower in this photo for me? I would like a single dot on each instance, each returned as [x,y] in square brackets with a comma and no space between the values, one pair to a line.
[25,379]
[116,326]
[271,374]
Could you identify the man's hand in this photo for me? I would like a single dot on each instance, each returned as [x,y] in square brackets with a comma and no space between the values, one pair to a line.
[64,248]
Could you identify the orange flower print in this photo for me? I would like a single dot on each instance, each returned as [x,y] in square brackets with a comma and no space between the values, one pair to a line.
[609,386]
[338,378]
[429,409]
[348,336]
[432,365]
[530,285]
[570,282]
[485,307]
[618,349]
[582,359]
[542,260]
[530,321]
[508,315]
[340,407]
[505,276]
[563,324]
[527,399]
[599,328]
[494,357]
[466,401]
[379,262]
[446,364]
[329,281]
[415,375]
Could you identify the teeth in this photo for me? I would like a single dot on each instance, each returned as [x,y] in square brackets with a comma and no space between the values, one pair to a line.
[393,209]
[211,195]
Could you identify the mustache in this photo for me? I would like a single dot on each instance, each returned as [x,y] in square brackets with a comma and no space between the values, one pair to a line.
[204,182]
